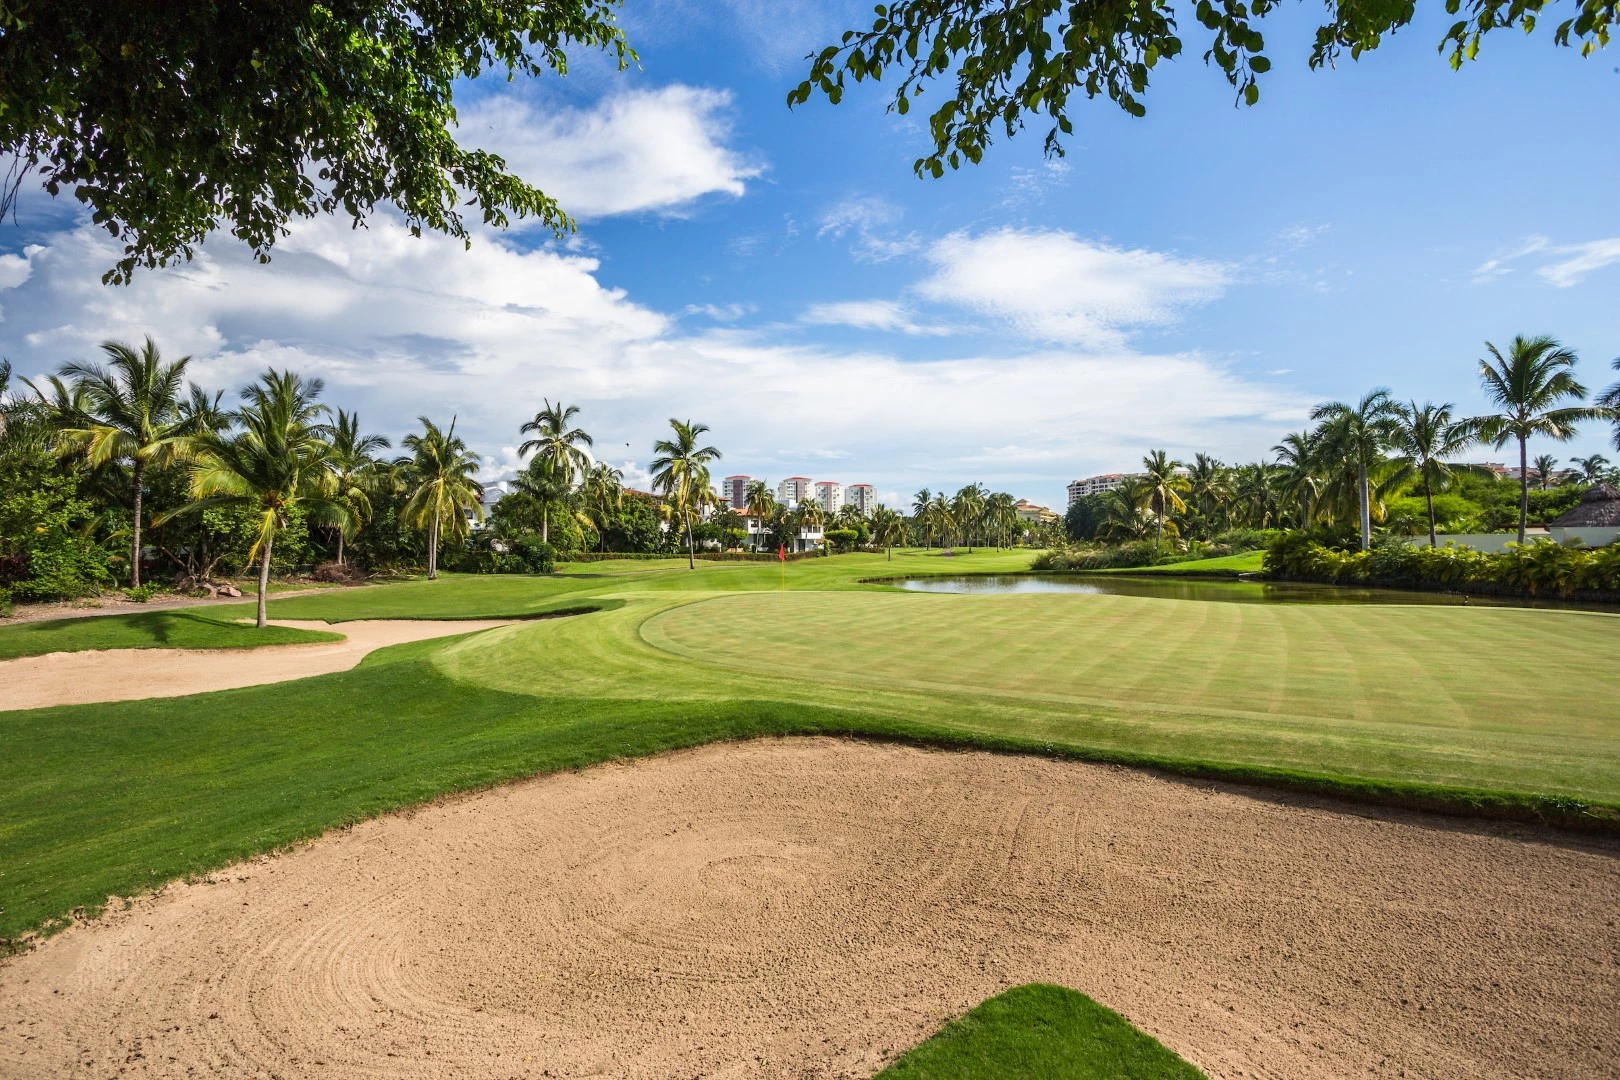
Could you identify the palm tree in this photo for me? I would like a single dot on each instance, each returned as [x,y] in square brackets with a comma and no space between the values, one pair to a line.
[1300,482]
[888,529]
[546,485]
[1001,516]
[1209,483]
[967,510]
[1124,513]
[1425,436]
[129,412]
[938,518]
[1165,486]
[759,502]
[1610,400]
[354,463]
[278,462]
[810,514]
[681,473]
[1545,465]
[1592,468]
[1355,436]
[557,444]
[602,493]
[1527,385]
[920,503]
[443,490]
[1255,492]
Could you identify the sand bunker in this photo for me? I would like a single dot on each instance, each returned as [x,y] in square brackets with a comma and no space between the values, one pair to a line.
[33,682]
[813,907]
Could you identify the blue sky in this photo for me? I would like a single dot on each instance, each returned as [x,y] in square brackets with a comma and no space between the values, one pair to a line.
[1195,280]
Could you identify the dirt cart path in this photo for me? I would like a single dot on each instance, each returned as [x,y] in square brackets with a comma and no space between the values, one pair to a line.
[33,682]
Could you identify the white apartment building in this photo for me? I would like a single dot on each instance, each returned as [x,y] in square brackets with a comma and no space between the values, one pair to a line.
[793,490]
[1095,485]
[734,490]
[830,493]
[862,497]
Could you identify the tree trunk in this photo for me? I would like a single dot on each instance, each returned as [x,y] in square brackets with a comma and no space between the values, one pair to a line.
[1524,490]
[433,548]
[1428,497]
[1158,527]
[691,555]
[264,576]
[340,545]
[135,531]
[545,526]
[1366,506]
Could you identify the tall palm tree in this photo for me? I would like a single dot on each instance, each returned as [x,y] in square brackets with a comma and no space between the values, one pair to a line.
[810,515]
[759,503]
[443,490]
[939,519]
[556,443]
[1355,437]
[1592,468]
[1610,400]
[888,529]
[546,485]
[1300,480]
[1257,494]
[1425,436]
[277,462]
[354,463]
[131,415]
[1528,386]
[602,494]
[1165,487]
[920,503]
[967,510]
[1209,484]
[1125,514]
[1001,517]
[681,473]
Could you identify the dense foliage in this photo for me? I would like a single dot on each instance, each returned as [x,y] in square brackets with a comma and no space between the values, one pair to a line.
[171,119]
[1537,569]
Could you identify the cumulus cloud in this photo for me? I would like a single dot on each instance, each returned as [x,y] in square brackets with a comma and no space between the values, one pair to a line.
[648,150]
[1057,287]
[401,326]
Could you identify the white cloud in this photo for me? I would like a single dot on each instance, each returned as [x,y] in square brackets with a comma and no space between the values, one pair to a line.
[720,312]
[1054,286]
[1496,267]
[401,326]
[868,315]
[641,150]
[1581,260]
[869,221]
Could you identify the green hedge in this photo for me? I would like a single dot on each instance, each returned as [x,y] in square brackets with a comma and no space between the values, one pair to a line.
[1541,568]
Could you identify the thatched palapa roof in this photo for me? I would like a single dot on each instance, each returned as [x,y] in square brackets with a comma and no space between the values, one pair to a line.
[1598,508]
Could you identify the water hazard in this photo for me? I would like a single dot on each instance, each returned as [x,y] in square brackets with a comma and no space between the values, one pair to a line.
[1171,588]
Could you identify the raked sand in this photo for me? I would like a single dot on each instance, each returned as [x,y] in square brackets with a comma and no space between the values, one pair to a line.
[812,907]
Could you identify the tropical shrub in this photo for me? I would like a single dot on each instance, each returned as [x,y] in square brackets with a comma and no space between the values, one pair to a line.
[1081,557]
[46,552]
[842,539]
[1542,568]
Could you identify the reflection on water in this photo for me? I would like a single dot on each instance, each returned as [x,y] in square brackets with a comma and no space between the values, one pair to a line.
[1172,588]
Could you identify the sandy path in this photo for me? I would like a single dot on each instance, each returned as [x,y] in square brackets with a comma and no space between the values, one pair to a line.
[812,907]
[71,678]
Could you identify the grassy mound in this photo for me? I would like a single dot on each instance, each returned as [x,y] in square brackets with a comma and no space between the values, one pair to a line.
[1041,1030]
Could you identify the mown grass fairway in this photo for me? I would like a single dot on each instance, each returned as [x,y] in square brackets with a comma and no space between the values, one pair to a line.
[1491,707]
[148,630]
[1041,1030]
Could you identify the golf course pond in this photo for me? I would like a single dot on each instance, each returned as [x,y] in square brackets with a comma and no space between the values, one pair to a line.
[1218,590]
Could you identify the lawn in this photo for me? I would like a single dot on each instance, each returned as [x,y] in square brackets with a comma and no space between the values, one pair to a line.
[1439,706]
[168,629]
[1041,1030]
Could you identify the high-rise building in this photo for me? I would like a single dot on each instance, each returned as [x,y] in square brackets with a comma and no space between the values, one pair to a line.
[862,497]
[793,490]
[1095,485]
[831,494]
[735,491]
